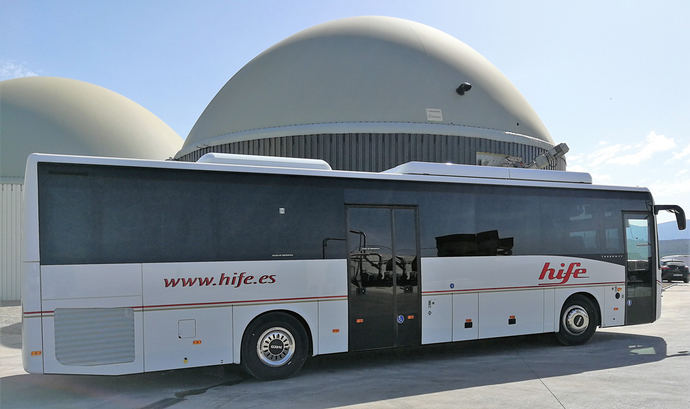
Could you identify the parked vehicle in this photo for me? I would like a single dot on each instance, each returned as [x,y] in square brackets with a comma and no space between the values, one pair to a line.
[674,270]
[684,258]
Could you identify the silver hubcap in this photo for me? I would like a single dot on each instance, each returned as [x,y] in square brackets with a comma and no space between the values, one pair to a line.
[575,320]
[276,346]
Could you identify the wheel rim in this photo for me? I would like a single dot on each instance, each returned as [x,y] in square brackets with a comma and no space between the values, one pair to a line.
[275,347]
[575,320]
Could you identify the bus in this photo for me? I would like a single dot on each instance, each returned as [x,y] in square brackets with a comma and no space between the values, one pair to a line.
[134,266]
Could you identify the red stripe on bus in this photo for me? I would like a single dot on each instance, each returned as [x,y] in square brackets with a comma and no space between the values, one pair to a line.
[38,312]
[528,286]
[212,303]
[578,285]
[238,302]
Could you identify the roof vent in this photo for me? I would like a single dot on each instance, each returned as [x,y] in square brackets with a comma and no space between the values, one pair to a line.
[489,172]
[265,161]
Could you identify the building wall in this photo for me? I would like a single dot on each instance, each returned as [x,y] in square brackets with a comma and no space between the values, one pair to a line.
[374,152]
[11,212]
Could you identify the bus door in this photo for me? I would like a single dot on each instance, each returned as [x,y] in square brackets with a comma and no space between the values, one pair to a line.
[640,269]
[383,275]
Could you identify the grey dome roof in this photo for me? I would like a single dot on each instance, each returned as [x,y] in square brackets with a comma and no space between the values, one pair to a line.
[374,74]
[59,115]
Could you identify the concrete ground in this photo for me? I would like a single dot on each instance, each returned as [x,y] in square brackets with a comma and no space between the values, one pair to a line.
[644,366]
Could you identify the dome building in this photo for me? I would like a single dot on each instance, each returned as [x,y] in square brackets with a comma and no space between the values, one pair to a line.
[370,93]
[58,115]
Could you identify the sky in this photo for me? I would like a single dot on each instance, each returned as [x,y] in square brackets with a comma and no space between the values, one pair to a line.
[609,78]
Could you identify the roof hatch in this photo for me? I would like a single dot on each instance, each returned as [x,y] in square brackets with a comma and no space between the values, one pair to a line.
[489,172]
[266,161]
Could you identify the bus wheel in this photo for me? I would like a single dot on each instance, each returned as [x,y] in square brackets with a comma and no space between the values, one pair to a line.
[578,321]
[274,346]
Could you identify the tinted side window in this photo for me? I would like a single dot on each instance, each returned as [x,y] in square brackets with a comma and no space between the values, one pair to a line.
[583,222]
[100,214]
[477,220]
[500,220]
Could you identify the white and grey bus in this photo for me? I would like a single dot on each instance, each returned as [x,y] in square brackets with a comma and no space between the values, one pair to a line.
[136,266]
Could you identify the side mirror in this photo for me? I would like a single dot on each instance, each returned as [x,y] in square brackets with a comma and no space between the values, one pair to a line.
[675,209]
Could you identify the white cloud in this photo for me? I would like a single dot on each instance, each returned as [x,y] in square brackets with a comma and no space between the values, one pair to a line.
[685,152]
[644,151]
[670,189]
[11,69]
[606,155]
[626,154]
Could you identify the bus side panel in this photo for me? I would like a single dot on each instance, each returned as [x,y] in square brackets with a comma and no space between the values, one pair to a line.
[613,309]
[511,313]
[437,322]
[243,315]
[92,323]
[32,340]
[181,338]
[333,326]
[54,363]
[465,316]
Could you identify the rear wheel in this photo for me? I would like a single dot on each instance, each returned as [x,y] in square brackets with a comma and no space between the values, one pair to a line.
[578,321]
[686,279]
[274,346]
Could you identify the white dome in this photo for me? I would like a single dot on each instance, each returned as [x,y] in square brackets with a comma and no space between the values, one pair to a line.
[369,74]
[59,115]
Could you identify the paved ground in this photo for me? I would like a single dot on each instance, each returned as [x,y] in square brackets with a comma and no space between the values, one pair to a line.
[644,366]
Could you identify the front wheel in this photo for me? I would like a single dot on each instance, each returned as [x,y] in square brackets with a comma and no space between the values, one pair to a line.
[578,321]
[274,346]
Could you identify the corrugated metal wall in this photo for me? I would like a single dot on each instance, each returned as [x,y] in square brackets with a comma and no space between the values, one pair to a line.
[11,210]
[373,152]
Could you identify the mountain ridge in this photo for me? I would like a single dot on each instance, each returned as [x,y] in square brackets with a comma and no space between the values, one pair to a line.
[669,231]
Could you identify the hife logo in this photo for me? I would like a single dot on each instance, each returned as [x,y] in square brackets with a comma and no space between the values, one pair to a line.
[562,274]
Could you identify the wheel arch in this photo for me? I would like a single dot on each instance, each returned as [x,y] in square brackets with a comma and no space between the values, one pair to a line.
[305,313]
[295,315]
[590,297]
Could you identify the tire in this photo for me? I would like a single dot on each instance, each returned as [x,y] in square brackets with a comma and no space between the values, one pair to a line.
[274,346]
[686,279]
[578,321]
